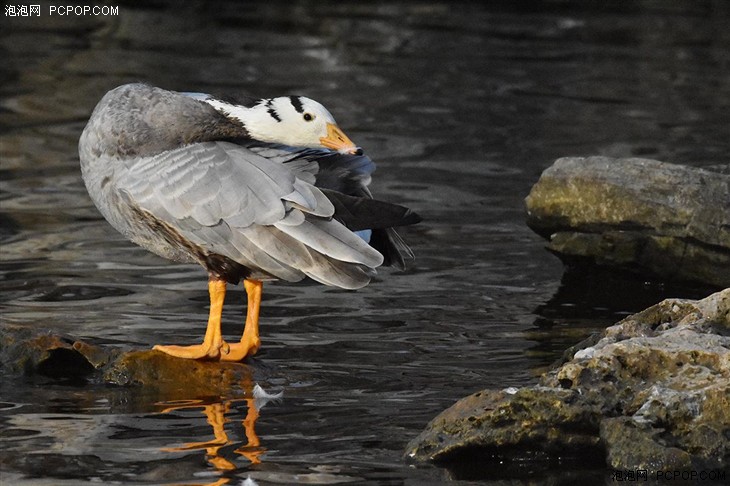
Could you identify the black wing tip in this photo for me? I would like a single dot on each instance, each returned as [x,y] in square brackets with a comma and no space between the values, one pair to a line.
[394,250]
[410,217]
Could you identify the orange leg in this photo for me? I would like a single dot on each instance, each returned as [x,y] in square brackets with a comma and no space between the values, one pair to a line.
[213,345]
[250,341]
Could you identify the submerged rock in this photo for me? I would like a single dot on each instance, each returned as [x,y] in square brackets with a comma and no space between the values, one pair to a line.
[26,352]
[652,393]
[645,216]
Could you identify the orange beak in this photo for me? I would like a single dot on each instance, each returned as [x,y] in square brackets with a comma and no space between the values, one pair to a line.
[337,140]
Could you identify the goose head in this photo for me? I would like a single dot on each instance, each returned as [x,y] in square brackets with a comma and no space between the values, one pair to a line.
[289,120]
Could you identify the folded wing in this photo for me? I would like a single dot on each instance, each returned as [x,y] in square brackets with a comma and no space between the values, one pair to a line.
[258,208]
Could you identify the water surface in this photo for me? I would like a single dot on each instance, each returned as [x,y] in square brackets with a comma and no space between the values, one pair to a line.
[462,106]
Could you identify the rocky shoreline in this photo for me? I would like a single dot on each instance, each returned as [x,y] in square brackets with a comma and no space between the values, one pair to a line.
[651,392]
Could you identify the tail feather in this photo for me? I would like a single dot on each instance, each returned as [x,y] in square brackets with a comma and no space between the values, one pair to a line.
[359,213]
[389,243]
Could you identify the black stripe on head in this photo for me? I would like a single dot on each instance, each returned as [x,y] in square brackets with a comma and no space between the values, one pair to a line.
[272,111]
[296,102]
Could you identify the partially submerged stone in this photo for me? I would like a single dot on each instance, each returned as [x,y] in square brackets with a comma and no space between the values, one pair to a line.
[26,352]
[511,422]
[652,393]
[640,215]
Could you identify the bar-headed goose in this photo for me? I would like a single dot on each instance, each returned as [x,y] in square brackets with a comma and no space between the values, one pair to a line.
[250,189]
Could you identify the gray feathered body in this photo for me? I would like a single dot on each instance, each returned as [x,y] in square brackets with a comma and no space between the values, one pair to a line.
[182,180]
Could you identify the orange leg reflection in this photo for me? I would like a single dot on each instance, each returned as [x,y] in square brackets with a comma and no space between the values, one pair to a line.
[215,416]
[252,450]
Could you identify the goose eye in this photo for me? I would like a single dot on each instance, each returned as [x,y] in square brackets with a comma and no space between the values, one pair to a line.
[308,117]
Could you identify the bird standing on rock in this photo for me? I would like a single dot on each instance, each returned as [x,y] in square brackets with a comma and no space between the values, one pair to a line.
[252,189]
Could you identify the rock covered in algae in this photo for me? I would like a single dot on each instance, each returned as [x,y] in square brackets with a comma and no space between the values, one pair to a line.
[641,215]
[24,351]
[652,393]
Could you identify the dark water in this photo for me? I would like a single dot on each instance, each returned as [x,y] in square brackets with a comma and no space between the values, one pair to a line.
[462,106]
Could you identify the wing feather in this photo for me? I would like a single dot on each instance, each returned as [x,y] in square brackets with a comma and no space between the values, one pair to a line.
[331,238]
[252,207]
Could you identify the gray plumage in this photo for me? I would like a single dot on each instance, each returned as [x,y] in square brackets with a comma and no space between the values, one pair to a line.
[181,179]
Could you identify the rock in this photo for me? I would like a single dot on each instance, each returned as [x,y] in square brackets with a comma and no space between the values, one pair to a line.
[636,446]
[645,216]
[653,393]
[26,352]
[167,374]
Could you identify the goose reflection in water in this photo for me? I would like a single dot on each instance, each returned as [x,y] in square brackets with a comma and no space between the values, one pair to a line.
[215,413]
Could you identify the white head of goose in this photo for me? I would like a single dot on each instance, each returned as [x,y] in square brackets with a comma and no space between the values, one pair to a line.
[296,121]
[250,189]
